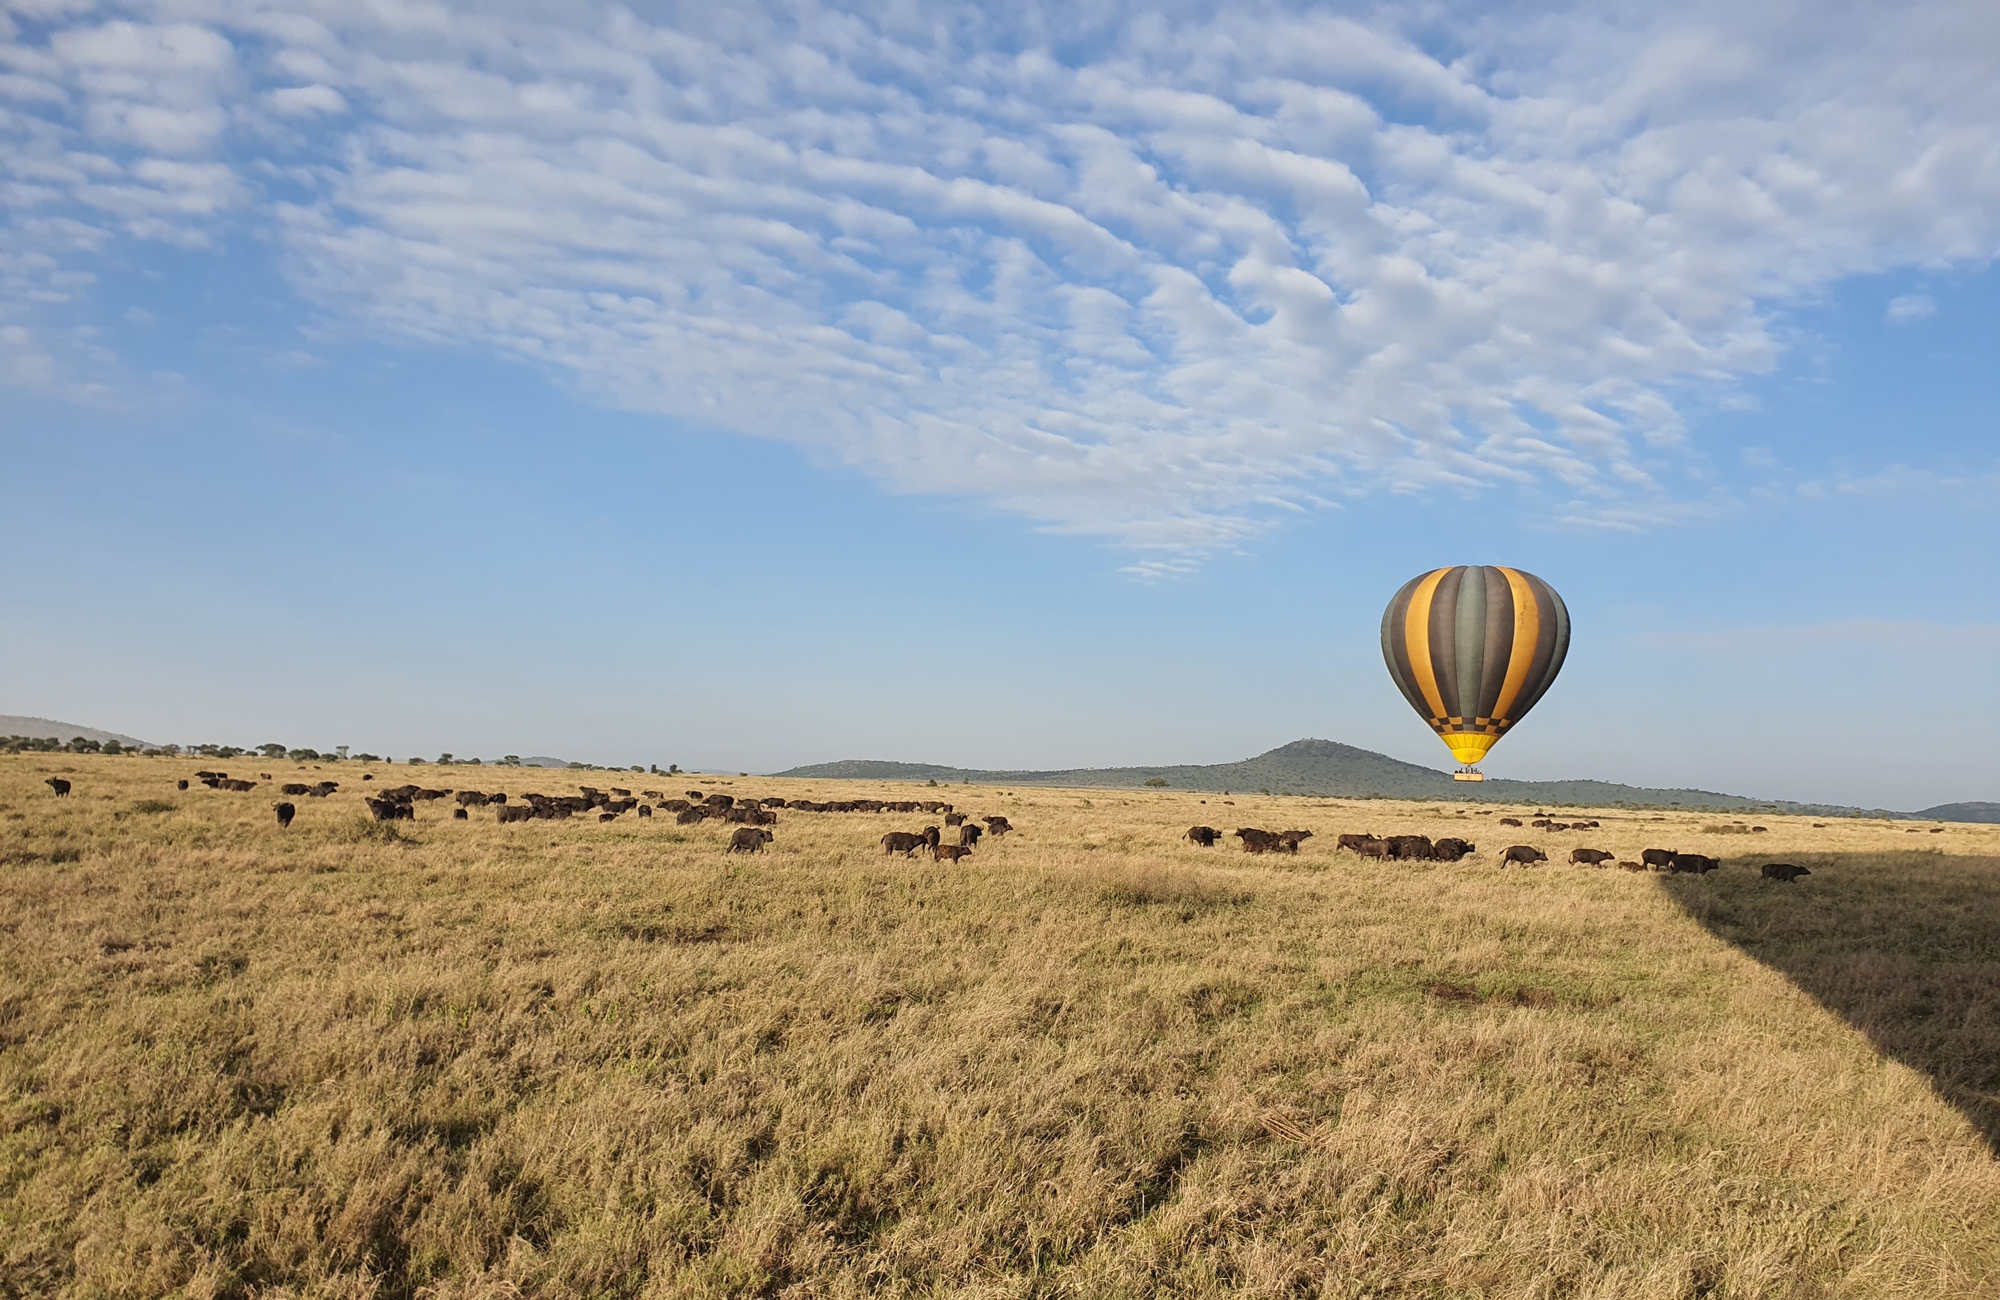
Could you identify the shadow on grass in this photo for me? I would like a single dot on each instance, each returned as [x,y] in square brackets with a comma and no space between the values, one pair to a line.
[1903,946]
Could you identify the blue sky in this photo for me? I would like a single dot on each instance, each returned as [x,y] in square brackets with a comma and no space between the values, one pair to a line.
[1042,389]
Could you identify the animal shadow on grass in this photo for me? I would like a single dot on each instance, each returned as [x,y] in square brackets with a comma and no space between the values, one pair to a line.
[1905,947]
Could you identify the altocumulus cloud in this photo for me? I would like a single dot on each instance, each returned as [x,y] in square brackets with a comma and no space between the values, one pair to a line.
[1159,279]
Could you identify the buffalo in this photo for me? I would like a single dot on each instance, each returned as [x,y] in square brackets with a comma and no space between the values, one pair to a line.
[1451,849]
[181,784]
[645,810]
[293,788]
[1782,871]
[1591,857]
[1658,859]
[1351,842]
[1510,821]
[748,839]
[460,815]
[968,835]
[1256,841]
[1205,836]
[950,852]
[60,786]
[285,813]
[903,842]
[1524,854]
[1693,864]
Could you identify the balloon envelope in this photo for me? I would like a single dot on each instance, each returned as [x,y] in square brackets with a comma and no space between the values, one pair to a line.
[1472,648]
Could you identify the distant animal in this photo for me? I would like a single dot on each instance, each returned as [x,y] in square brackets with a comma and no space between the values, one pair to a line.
[1292,839]
[471,799]
[517,813]
[1591,857]
[968,835]
[1374,847]
[997,826]
[460,815]
[1353,842]
[1255,840]
[749,839]
[1412,848]
[60,786]
[1632,866]
[697,795]
[389,810]
[690,816]
[1658,859]
[368,776]
[1759,829]
[603,817]
[241,787]
[294,788]
[1693,864]
[645,810]
[1510,821]
[950,852]
[1451,849]
[181,784]
[1782,871]
[954,819]
[285,814]
[902,842]
[616,793]
[675,805]
[1206,836]
[322,790]
[1524,854]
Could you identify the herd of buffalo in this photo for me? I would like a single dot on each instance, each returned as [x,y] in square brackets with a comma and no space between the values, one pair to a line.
[752,816]
[1421,848]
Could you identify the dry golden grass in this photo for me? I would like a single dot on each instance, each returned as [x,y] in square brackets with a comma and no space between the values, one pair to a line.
[572,1059]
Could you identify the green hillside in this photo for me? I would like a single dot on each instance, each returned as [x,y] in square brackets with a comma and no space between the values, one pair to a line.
[1312,767]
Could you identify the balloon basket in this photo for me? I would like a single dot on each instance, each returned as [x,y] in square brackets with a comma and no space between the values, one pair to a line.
[1468,774]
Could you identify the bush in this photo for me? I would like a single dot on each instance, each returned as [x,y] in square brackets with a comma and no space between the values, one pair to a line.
[1158,783]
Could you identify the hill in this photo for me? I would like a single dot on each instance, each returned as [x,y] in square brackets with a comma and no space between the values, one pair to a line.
[41,728]
[1311,767]
[1962,812]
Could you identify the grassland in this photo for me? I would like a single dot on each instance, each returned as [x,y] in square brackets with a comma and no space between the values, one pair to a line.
[572,1059]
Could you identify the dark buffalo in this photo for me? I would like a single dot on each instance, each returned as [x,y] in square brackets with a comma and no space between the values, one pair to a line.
[1451,849]
[1524,854]
[1692,864]
[60,786]
[1510,821]
[1591,857]
[748,839]
[950,852]
[954,819]
[181,784]
[903,842]
[1351,842]
[968,835]
[323,789]
[285,813]
[517,813]
[690,817]
[293,788]
[1658,859]
[1412,848]
[460,814]
[1255,840]
[645,810]
[1206,836]
[1782,871]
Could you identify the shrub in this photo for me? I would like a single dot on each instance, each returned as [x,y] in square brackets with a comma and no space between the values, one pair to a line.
[1158,782]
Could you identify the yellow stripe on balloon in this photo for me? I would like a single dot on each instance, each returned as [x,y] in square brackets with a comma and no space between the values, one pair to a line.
[1527,631]
[1417,640]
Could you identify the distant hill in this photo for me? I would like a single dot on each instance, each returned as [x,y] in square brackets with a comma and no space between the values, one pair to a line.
[1962,812]
[1312,767]
[43,728]
[543,760]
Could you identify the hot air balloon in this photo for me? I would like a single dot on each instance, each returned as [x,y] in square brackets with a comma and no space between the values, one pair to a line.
[1472,648]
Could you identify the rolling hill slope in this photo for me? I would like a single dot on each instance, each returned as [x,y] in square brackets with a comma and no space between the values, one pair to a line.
[1311,767]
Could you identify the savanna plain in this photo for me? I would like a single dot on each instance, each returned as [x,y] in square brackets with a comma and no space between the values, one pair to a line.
[457,1059]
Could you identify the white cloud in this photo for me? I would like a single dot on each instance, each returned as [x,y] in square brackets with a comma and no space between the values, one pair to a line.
[1216,271]
[1909,307]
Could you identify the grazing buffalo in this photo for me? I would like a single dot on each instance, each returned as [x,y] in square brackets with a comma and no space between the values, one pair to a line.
[60,786]
[1375,848]
[1524,854]
[950,852]
[997,826]
[293,788]
[389,810]
[240,787]
[748,839]
[285,813]
[1451,849]
[517,813]
[1692,864]
[1291,840]
[471,799]
[690,817]
[181,784]
[903,842]
[1412,848]
[1206,836]
[1256,841]
[323,789]
[697,795]
[645,811]
[1658,859]
[1351,842]
[1782,871]
[675,805]
[1591,857]
[968,835]
[954,819]
[1510,821]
